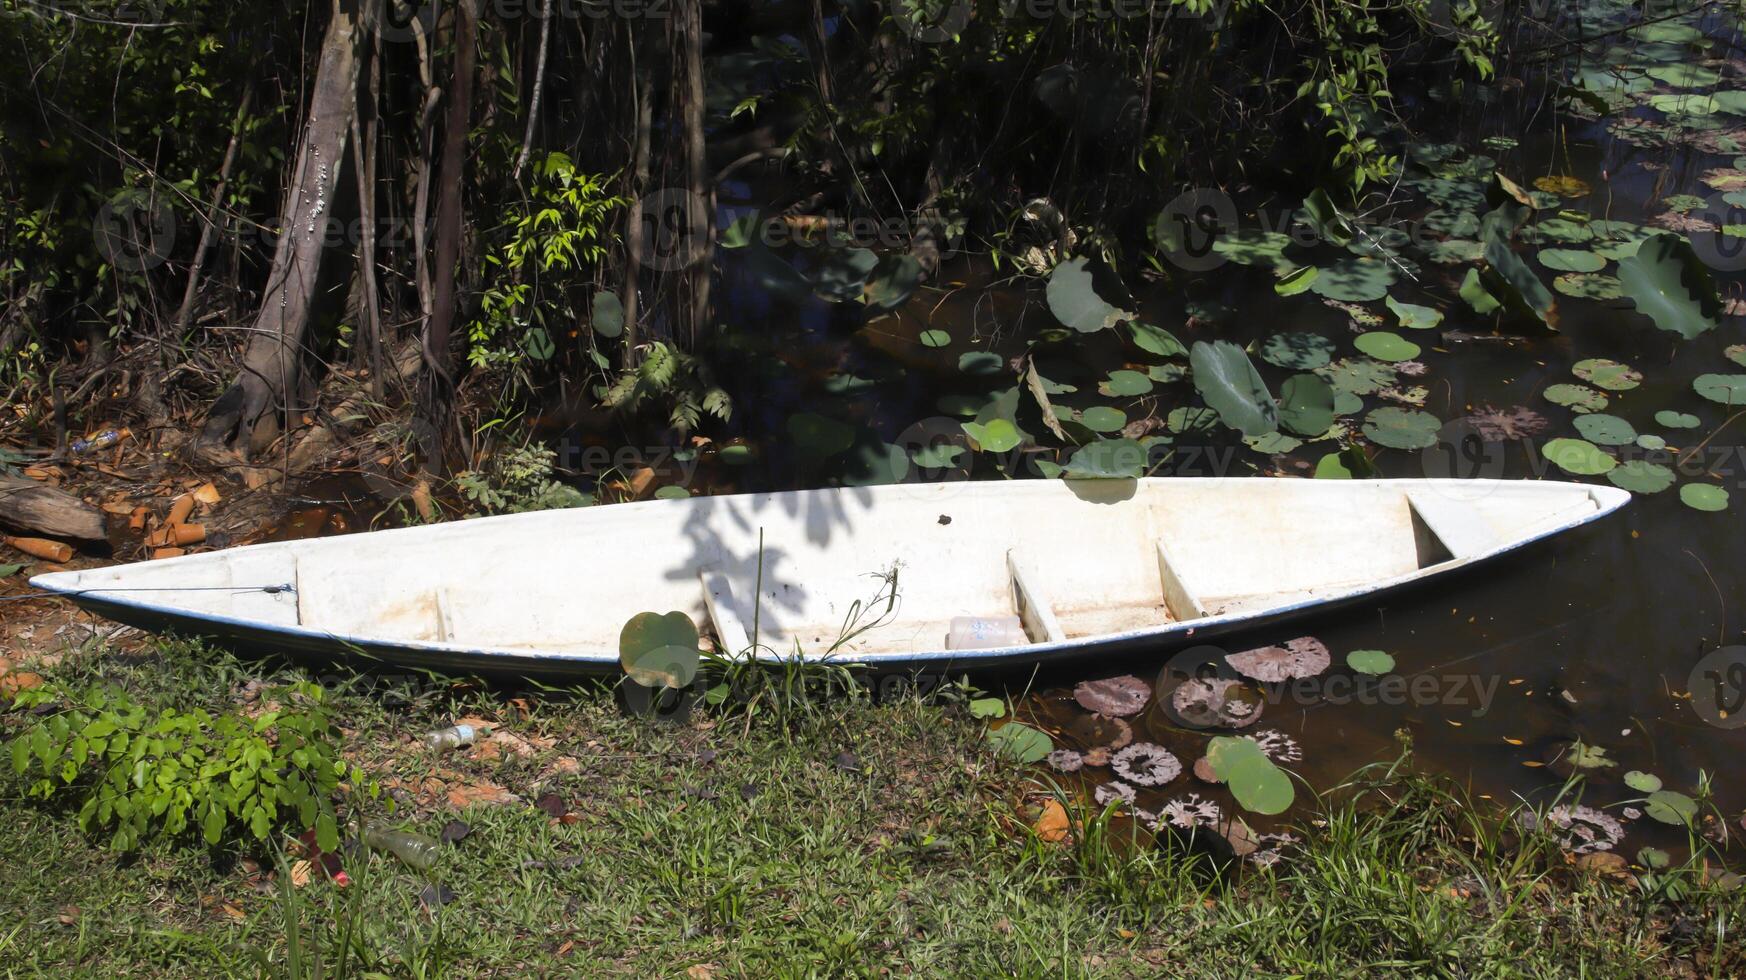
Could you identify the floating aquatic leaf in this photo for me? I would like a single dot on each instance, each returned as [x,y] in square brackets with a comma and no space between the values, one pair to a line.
[1191,812]
[894,281]
[1020,742]
[1117,697]
[1684,75]
[1676,420]
[841,273]
[1385,346]
[1297,351]
[1278,746]
[1455,251]
[1066,760]
[1668,282]
[1252,246]
[994,436]
[1320,213]
[1704,496]
[1670,807]
[1370,661]
[1585,756]
[1642,782]
[1230,384]
[1589,285]
[1272,444]
[1305,656]
[1562,186]
[981,363]
[1736,353]
[1579,829]
[1725,389]
[819,437]
[1558,229]
[1578,398]
[935,338]
[1125,383]
[1167,373]
[1258,784]
[1145,764]
[1332,467]
[1571,260]
[1296,281]
[1506,424]
[1155,340]
[1306,405]
[1401,428]
[1606,430]
[1074,301]
[873,463]
[1578,457]
[1215,702]
[1641,476]
[1107,459]
[988,708]
[1112,792]
[1608,374]
[1358,375]
[1356,280]
[1650,441]
[1414,317]
[1191,419]
[1102,418]
[658,650]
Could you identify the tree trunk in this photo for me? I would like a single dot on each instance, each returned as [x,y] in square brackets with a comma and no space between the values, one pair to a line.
[249,410]
[634,231]
[701,262]
[438,384]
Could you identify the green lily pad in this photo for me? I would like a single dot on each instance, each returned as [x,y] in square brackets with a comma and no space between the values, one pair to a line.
[1107,459]
[842,273]
[1641,476]
[1578,398]
[1370,661]
[1385,346]
[1704,496]
[1455,251]
[1273,443]
[1685,75]
[658,650]
[1332,467]
[1725,389]
[1667,281]
[1677,420]
[981,363]
[1358,375]
[894,281]
[1124,384]
[987,708]
[994,436]
[1259,785]
[1401,428]
[819,437]
[1296,281]
[1102,418]
[1650,441]
[1297,351]
[1578,457]
[1020,743]
[1306,405]
[1558,230]
[1589,285]
[1642,782]
[1606,430]
[1414,317]
[1230,384]
[1474,291]
[1191,419]
[1670,807]
[1074,300]
[1571,260]
[1252,246]
[1355,280]
[1609,374]
[935,338]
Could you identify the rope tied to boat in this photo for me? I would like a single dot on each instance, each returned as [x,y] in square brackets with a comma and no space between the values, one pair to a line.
[70,593]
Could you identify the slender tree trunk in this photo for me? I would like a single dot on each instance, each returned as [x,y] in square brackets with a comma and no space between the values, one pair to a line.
[539,83]
[701,261]
[249,410]
[209,233]
[438,385]
[634,232]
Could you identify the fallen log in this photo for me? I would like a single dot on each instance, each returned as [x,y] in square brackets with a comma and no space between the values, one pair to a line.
[27,505]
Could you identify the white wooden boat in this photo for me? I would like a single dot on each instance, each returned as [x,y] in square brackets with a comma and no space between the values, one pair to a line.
[1088,567]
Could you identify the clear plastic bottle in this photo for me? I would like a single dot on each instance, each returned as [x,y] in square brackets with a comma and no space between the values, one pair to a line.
[453,737]
[416,850]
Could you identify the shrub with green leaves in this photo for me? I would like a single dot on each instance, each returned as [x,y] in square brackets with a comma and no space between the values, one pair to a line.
[144,772]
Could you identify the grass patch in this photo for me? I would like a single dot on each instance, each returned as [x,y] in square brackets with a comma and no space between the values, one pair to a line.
[848,838]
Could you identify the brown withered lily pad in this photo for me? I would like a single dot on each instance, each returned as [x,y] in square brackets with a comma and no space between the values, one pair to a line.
[1204,771]
[1510,424]
[1146,764]
[1215,702]
[1278,746]
[1117,697]
[1098,730]
[1066,760]
[1579,829]
[1189,812]
[1305,656]
[1111,791]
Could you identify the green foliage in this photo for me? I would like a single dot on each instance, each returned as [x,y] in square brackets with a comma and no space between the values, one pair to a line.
[681,382]
[518,480]
[144,772]
[553,241]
